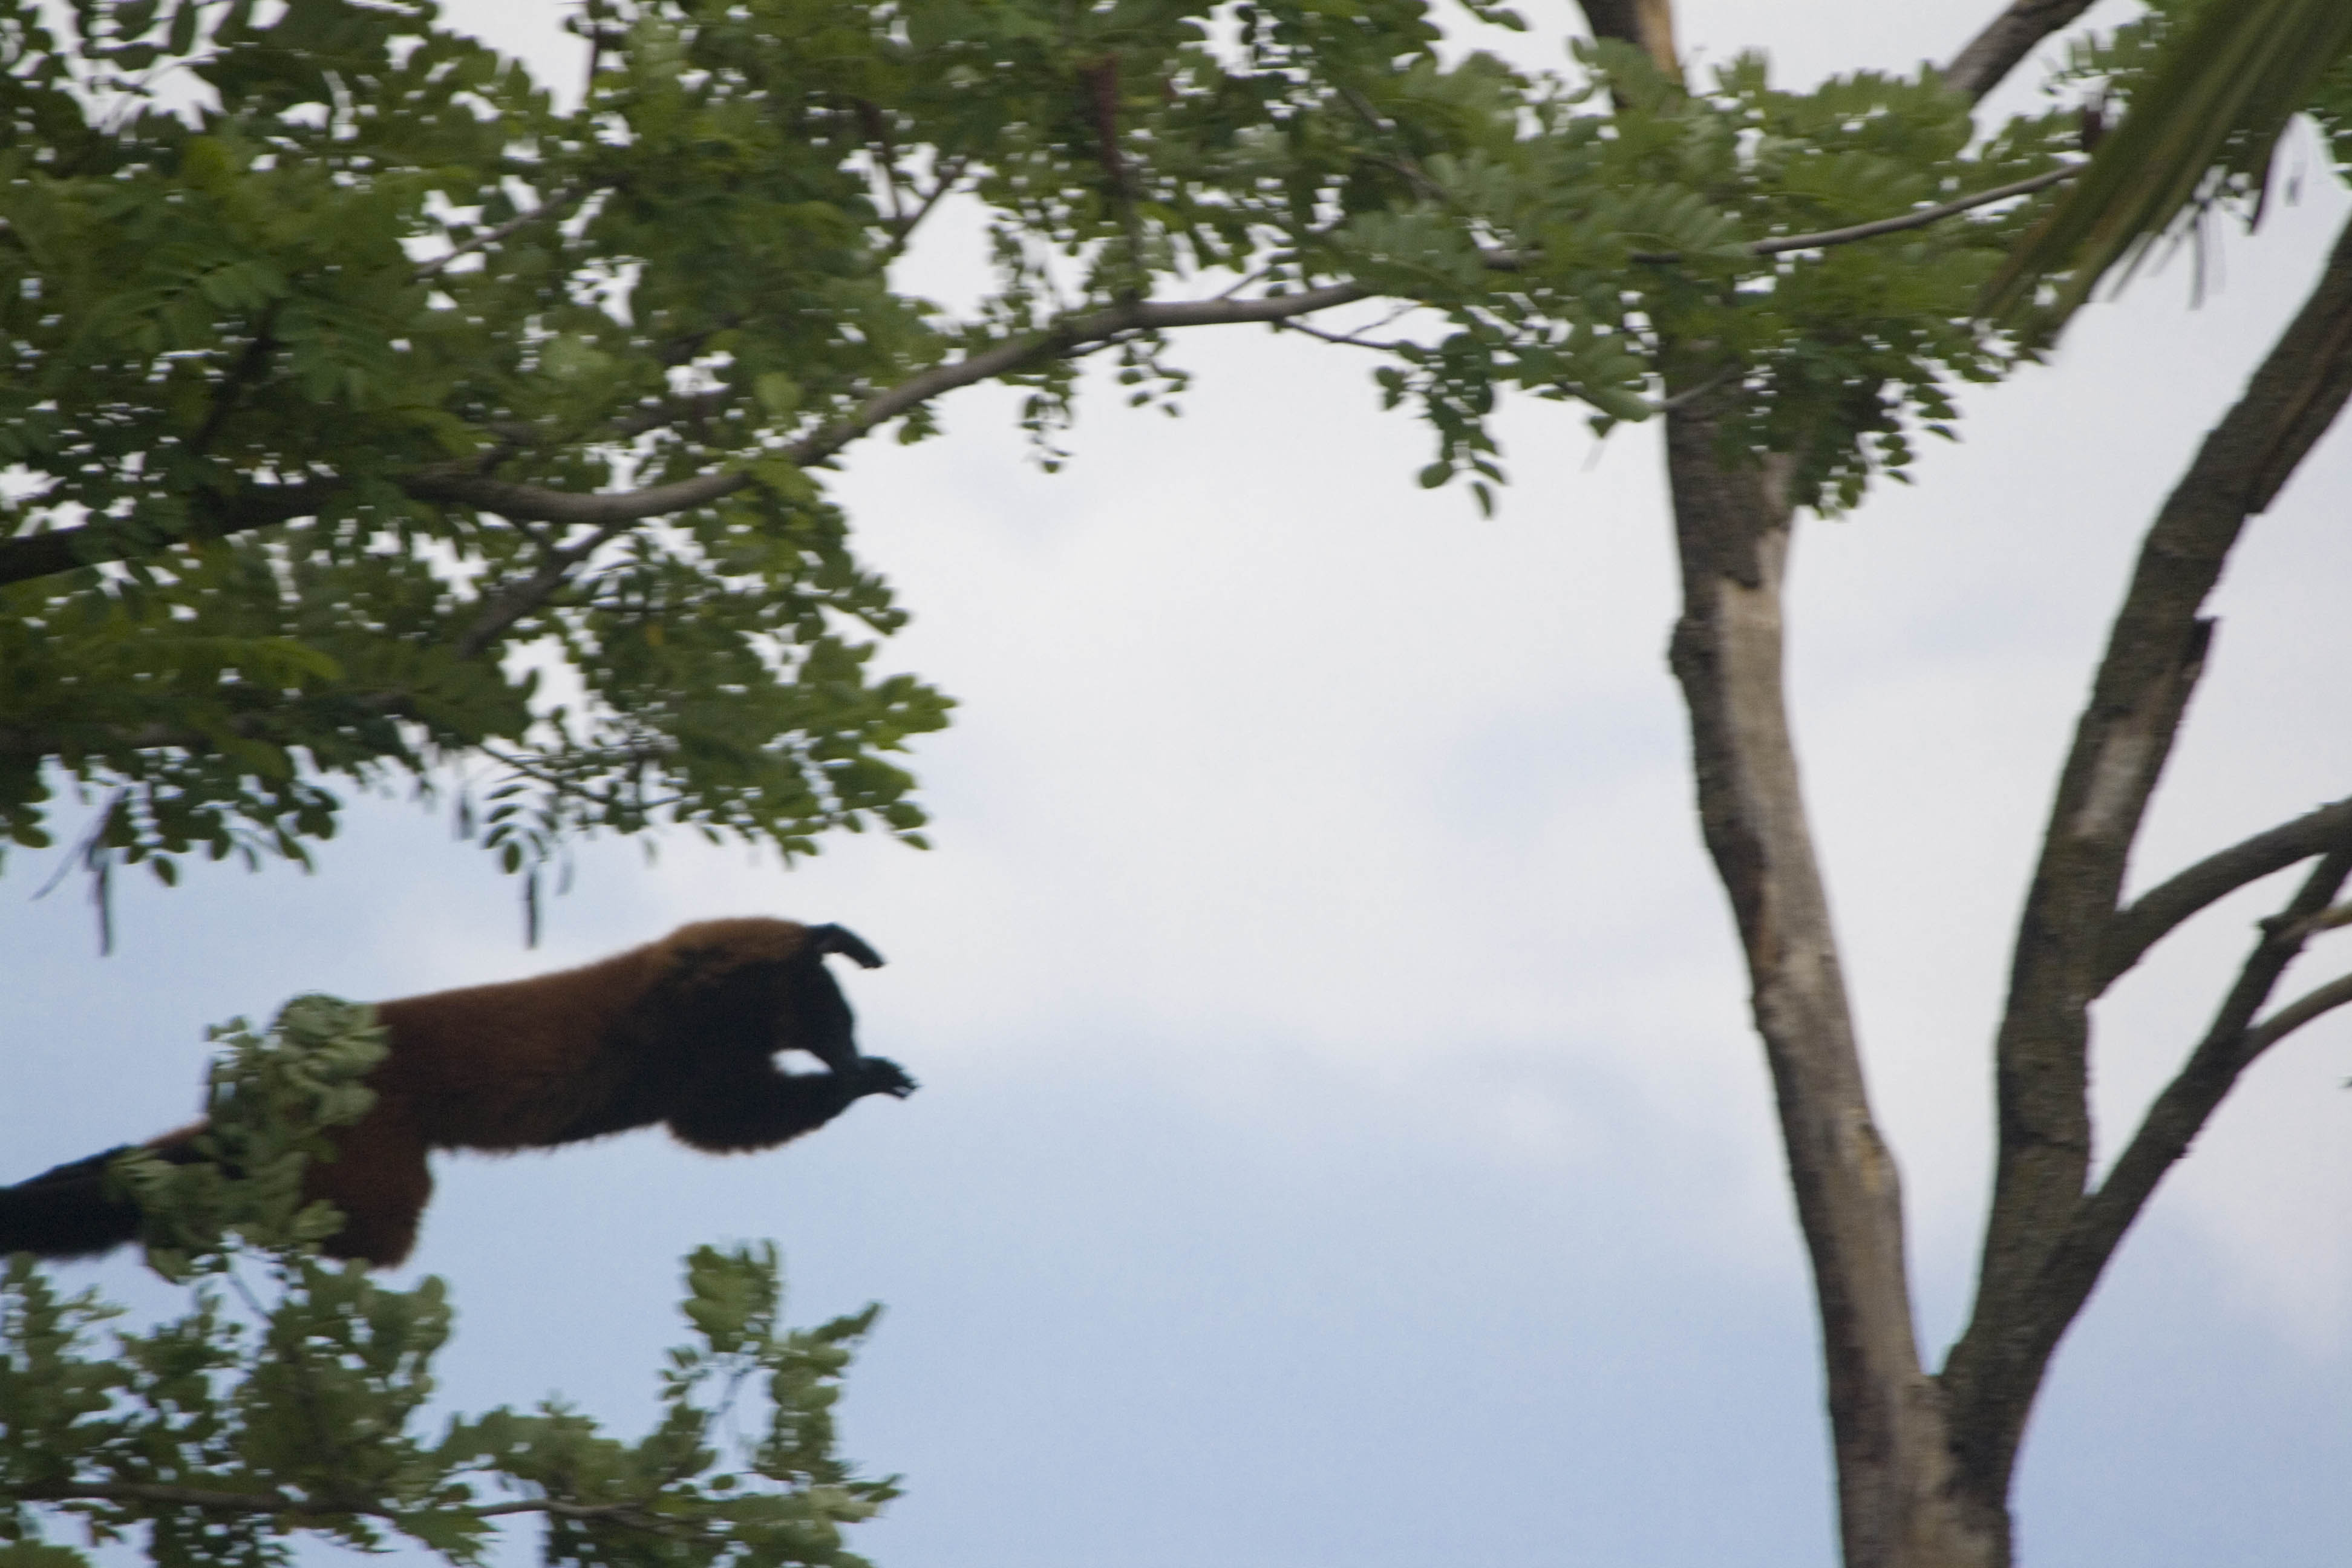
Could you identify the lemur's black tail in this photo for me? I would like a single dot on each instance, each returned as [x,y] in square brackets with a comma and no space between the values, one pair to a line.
[67,1212]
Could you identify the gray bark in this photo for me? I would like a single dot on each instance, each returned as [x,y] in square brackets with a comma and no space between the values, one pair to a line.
[2048,1238]
[1732,526]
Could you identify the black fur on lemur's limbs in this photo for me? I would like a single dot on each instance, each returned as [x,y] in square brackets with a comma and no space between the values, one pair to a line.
[682,1031]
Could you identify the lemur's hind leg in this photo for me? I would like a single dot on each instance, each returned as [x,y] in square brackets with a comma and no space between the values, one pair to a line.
[380,1180]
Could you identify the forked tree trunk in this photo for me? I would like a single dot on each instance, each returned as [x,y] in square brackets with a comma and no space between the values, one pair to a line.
[1925,1463]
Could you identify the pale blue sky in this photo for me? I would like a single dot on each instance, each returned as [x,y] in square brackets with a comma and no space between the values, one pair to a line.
[1340,1143]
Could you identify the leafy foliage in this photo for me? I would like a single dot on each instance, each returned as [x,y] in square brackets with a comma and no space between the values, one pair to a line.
[281,302]
[261,1416]
[372,412]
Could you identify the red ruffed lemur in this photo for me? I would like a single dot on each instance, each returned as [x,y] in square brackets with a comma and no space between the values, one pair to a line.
[681,1031]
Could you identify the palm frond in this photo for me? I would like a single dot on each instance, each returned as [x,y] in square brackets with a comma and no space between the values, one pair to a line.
[2239,66]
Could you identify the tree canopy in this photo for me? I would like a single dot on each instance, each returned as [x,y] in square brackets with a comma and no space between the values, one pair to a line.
[378,413]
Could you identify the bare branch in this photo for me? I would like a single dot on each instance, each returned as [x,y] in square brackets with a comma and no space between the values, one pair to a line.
[539,503]
[1992,54]
[606,798]
[19,742]
[64,549]
[2165,907]
[2154,653]
[1505,261]
[169,1495]
[612,513]
[2301,1011]
[531,502]
[1354,340]
[2230,1047]
[687,409]
[1919,219]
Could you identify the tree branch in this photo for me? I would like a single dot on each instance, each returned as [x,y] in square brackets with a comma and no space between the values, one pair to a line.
[64,549]
[1505,261]
[427,270]
[538,503]
[2154,653]
[264,722]
[611,513]
[505,608]
[2162,908]
[264,506]
[2231,1045]
[943,183]
[1992,54]
[2311,1005]
[1896,225]
[68,548]
[280,1504]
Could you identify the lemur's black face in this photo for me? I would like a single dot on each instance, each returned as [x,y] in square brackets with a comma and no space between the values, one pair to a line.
[813,1015]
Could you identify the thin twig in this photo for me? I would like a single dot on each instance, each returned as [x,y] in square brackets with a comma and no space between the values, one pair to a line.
[565,786]
[2329,919]
[1895,224]
[632,1513]
[503,611]
[1690,394]
[569,196]
[1354,340]
[877,126]
[1413,172]
[947,183]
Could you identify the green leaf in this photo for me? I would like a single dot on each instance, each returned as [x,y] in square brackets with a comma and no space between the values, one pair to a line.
[779,394]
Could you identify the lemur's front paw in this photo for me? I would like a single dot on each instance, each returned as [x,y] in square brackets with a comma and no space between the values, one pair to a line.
[880,1075]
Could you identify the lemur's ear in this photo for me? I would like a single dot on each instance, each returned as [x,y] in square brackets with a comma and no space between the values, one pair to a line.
[827,938]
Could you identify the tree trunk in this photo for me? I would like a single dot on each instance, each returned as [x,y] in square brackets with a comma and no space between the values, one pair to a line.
[1733,524]
[1924,1463]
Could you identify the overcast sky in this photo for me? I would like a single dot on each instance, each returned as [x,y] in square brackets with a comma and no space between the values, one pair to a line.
[1341,1145]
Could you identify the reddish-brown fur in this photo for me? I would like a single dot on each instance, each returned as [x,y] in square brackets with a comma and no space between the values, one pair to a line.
[681,1030]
